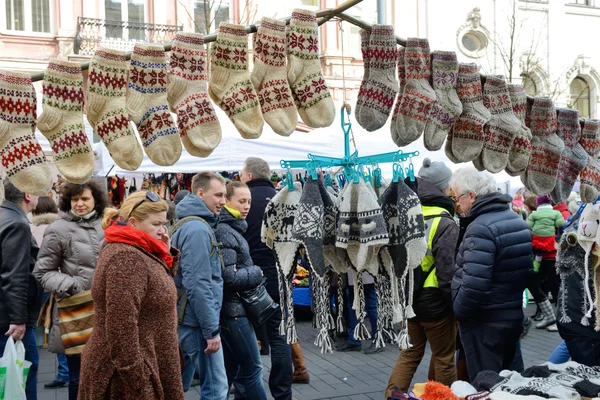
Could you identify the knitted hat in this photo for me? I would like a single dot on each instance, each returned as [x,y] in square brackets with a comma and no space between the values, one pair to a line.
[545,199]
[309,225]
[486,380]
[462,388]
[437,391]
[180,195]
[334,257]
[587,235]
[436,173]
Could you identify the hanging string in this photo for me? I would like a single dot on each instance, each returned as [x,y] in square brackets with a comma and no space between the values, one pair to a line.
[346,105]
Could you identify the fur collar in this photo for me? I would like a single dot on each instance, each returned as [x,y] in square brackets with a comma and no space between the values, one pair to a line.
[43,219]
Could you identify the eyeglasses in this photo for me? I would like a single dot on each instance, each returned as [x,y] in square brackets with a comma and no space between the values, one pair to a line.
[151,196]
[456,199]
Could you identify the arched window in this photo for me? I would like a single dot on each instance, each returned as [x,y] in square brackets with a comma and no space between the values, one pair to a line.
[580,96]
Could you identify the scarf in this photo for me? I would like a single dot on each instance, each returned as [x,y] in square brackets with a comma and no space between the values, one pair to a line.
[235,213]
[118,232]
[85,217]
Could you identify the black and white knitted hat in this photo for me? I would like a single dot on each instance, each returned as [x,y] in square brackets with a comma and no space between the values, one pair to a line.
[587,236]
[334,256]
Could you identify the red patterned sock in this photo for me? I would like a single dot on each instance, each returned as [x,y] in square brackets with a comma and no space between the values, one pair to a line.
[147,104]
[310,91]
[269,77]
[106,107]
[22,156]
[418,95]
[365,36]
[518,156]
[590,175]
[546,148]
[198,125]
[62,120]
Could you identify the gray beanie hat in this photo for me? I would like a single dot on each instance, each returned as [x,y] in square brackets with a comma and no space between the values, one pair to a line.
[180,195]
[435,173]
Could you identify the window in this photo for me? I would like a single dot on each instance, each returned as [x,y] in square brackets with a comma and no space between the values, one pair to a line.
[208,14]
[589,3]
[310,3]
[529,85]
[365,11]
[28,15]
[580,96]
[473,43]
[125,10]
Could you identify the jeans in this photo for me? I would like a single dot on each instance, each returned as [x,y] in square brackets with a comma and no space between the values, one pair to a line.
[582,349]
[560,354]
[74,363]
[187,374]
[210,367]
[370,308]
[63,368]
[489,345]
[31,354]
[517,363]
[242,357]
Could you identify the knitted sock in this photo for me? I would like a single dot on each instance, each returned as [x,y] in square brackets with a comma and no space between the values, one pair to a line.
[447,107]
[590,175]
[310,91]
[546,148]
[573,158]
[448,147]
[401,85]
[230,86]
[361,99]
[187,94]
[62,121]
[418,95]
[106,107]
[518,155]
[269,77]
[147,104]
[503,126]
[22,156]
[468,135]
[382,85]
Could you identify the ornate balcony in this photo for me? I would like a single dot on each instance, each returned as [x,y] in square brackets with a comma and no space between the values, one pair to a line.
[120,35]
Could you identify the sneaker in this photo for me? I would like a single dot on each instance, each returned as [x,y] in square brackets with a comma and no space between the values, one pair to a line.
[552,328]
[55,385]
[373,350]
[346,347]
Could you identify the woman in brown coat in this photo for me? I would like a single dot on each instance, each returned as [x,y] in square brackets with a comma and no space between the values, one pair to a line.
[133,353]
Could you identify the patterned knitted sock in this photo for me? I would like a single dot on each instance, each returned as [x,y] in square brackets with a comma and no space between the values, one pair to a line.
[187,94]
[573,158]
[382,85]
[447,107]
[22,156]
[546,148]
[590,175]
[147,104]
[269,77]
[418,95]
[401,66]
[448,147]
[518,156]
[62,120]
[365,37]
[468,134]
[310,91]
[230,86]
[106,107]
[503,126]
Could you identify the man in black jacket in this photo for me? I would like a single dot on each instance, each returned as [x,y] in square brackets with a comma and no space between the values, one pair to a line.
[255,174]
[492,266]
[434,321]
[20,293]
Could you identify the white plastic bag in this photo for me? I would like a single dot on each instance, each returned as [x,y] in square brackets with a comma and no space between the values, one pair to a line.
[13,371]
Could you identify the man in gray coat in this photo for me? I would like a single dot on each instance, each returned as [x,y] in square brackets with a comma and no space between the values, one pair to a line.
[20,294]
[200,284]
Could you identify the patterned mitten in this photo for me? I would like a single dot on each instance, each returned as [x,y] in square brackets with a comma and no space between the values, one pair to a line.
[62,120]
[573,158]
[503,126]
[187,94]
[418,95]
[22,156]
[230,86]
[468,135]
[365,37]
[518,156]
[106,107]
[147,104]
[546,148]
[269,77]
[590,175]
[382,85]
[311,93]
[447,107]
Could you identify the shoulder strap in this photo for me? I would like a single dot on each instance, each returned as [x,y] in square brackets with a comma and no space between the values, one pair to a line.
[182,221]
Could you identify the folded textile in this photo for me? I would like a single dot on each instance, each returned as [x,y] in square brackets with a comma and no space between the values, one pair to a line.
[544,387]
[583,386]
[484,395]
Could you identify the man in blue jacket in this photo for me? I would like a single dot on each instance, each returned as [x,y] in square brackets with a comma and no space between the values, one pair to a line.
[199,282]
[492,266]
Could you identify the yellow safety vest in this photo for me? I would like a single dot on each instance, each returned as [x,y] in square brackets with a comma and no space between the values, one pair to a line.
[433,216]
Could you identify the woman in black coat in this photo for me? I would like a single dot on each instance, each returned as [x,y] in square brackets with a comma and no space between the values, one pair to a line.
[242,356]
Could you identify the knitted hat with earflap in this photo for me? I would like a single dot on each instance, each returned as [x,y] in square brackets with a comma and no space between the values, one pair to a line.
[436,173]
[587,234]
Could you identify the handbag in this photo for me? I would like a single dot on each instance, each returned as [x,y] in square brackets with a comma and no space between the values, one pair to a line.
[76,320]
[258,304]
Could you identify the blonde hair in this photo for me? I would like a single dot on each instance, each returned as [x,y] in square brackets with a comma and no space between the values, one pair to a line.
[141,212]
[231,186]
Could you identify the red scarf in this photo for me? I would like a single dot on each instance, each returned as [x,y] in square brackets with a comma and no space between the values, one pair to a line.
[127,234]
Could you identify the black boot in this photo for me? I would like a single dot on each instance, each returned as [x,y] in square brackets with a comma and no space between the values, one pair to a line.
[539,315]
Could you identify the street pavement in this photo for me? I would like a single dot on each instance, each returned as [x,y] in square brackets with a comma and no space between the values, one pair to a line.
[339,376]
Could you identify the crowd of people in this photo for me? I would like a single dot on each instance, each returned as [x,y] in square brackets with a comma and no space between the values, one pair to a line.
[188,288]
